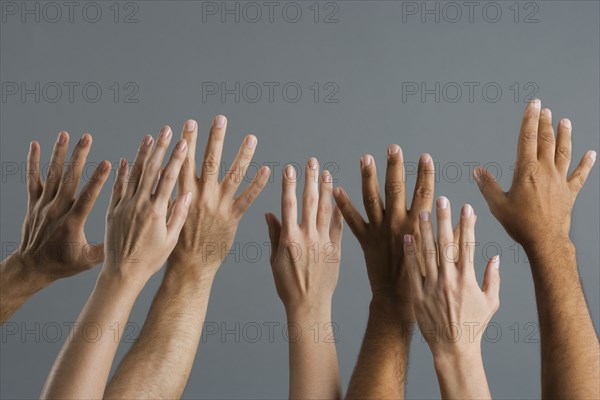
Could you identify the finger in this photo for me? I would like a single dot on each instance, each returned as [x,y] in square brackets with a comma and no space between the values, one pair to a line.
[94,255]
[251,193]
[546,141]
[424,188]
[370,190]
[84,203]
[187,175]
[395,195]
[581,173]
[337,226]
[355,221]
[324,208]
[428,248]
[154,163]
[168,177]
[412,264]
[490,189]
[56,167]
[562,158]
[528,136]
[274,232]
[467,240]
[72,175]
[178,215]
[34,182]
[491,280]
[212,153]
[237,172]
[119,185]
[135,172]
[289,207]
[310,195]
[446,245]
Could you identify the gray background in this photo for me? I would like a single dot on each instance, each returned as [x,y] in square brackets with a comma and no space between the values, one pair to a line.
[368,54]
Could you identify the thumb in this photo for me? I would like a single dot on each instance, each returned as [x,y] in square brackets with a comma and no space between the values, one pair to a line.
[489,187]
[491,280]
[179,213]
[274,232]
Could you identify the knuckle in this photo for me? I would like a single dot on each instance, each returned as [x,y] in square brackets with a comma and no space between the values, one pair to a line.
[423,193]
[310,199]
[565,152]
[394,188]
[530,135]
[288,203]
[547,138]
[325,209]
[371,200]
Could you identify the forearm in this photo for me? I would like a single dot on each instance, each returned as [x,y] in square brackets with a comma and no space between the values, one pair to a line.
[82,366]
[314,370]
[17,285]
[380,371]
[462,376]
[569,345]
[159,363]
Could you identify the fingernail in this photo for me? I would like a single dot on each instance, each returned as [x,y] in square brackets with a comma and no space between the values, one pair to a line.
[337,192]
[188,198]
[190,125]
[547,112]
[327,177]
[104,166]
[407,239]
[251,141]
[442,202]
[393,150]
[313,163]
[165,133]
[424,215]
[122,163]
[536,103]
[467,210]
[477,174]
[85,139]
[496,261]
[425,158]
[148,140]
[265,171]
[220,121]
[181,146]
[566,122]
[592,155]
[290,172]
[365,160]
[62,138]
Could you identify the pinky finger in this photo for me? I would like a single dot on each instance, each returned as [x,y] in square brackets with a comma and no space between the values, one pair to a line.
[84,203]
[34,182]
[414,271]
[579,176]
[242,203]
[119,185]
[178,215]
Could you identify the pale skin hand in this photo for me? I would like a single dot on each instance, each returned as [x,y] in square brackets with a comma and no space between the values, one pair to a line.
[138,240]
[536,212]
[159,363]
[53,243]
[450,308]
[305,260]
[381,368]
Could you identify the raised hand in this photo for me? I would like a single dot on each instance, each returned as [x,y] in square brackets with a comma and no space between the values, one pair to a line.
[53,243]
[536,212]
[381,368]
[450,308]
[160,362]
[138,240]
[305,260]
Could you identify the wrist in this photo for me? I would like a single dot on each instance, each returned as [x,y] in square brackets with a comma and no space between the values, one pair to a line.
[309,311]
[548,248]
[18,273]
[113,276]
[391,306]
[457,359]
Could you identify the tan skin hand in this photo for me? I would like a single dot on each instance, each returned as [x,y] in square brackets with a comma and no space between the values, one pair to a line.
[537,208]
[450,308]
[53,244]
[305,257]
[139,237]
[214,212]
[381,237]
